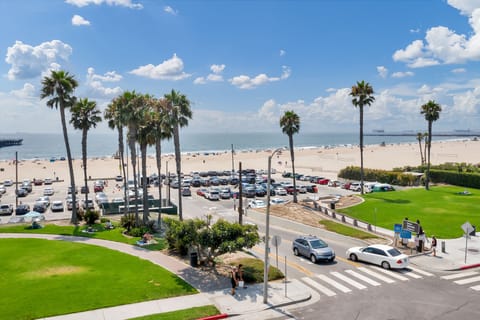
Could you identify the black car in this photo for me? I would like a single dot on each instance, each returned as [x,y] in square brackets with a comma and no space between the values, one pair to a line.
[22,209]
[21,192]
[260,192]
[39,207]
[84,189]
[196,183]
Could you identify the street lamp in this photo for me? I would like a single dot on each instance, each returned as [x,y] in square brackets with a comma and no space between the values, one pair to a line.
[267,227]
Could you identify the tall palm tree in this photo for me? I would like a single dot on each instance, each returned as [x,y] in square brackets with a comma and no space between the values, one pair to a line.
[431,110]
[425,146]
[290,124]
[362,94]
[179,113]
[420,138]
[85,116]
[113,114]
[59,86]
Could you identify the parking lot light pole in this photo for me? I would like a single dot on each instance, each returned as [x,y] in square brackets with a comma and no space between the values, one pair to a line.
[267,228]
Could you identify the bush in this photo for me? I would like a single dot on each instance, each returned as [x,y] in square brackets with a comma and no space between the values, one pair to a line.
[138,231]
[128,221]
[104,220]
[391,177]
[91,216]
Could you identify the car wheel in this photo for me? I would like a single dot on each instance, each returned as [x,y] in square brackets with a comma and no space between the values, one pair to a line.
[313,259]
[295,251]
[353,257]
[385,265]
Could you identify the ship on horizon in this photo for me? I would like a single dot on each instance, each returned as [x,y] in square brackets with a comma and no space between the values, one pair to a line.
[10,142]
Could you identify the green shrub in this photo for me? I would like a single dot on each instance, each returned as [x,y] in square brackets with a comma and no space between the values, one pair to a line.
[383,176]
[91,216]
[104,220]
[128,221]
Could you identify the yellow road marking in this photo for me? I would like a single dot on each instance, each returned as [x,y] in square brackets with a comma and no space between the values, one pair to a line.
[290,263]
[350,262]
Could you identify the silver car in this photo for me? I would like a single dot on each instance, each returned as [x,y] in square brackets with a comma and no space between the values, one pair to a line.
[313,248]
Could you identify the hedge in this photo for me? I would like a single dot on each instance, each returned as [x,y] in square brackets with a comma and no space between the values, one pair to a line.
[382,176]
[463,179]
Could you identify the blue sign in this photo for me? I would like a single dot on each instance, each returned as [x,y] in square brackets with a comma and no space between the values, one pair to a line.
[406,234]
[397,227]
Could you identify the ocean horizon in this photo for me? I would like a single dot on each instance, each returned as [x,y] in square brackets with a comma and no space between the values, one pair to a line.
[50,145]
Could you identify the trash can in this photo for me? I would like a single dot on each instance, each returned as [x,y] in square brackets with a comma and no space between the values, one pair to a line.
[332,205]
[473,232]
[194,259]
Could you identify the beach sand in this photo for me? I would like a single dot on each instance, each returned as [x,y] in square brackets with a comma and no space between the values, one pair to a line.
[312,161]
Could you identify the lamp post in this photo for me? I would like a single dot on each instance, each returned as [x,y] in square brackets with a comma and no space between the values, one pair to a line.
[267,228]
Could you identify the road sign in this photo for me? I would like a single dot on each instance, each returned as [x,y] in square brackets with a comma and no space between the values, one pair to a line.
[276,241]
[406,234]
[397,227]
[467,228]
[410,226]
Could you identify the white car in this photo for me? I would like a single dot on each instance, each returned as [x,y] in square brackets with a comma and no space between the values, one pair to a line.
[280,191]
[47,181]
[257,204]
[8,183]
[48,191]
[57,206]
[382,255]
[278,201]
[2,189]
[6,209]
[45,200]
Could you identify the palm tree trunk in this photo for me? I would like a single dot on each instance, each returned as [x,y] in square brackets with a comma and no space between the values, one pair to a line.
[122,161]
[84,160]
[133,161]
[292,159]
[361,149]
[158,154]
[427,178]
[70,164]
[146,215]
[420,146]
[178,160]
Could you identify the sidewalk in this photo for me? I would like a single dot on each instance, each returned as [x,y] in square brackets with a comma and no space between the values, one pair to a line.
[246,303]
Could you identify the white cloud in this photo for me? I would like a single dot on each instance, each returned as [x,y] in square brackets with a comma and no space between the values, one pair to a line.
[459,70]
[414,30]
[79,21]
[28,62]
[246,82]
[171,69]
[466,103]
[267,111]
[96,87]
[27,92]
[402,74]
[217,68]
[216,76]
[120,3]
[382,71]
[282,52]
[200,80]
[170,10]
[443,45]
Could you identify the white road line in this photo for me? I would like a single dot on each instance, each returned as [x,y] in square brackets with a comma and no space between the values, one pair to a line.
[459,275]
[468,280]
[425,273]
[318,286]
[476,288]
[363,278]
[392,274]
[376,275]
[348,280]
[410,274]
[334,283]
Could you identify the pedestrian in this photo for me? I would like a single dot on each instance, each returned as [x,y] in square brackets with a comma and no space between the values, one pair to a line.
[241,282]
[434,246]
[233,279]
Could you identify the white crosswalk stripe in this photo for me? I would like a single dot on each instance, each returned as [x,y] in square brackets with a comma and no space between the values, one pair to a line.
[425,273]
[476,288]
[333,283]
[318,286]
[410,274]
[459,275]
[348,280]
[376,275]
[363,278]
[468,280]
[392,274]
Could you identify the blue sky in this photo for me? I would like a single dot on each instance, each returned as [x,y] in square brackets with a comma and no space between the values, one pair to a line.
[243,63]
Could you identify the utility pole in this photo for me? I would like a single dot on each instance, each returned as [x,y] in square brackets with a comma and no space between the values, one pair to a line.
[240,197]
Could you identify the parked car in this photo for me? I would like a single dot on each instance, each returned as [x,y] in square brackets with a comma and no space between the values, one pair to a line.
[260,192]
[101,197]
[278,201]
[280,191]
[355,186]
[212,194]
[256,204]
[57,206]
[27,186]
[312,188]
[45,200]
[38,182]
[2,189]
[201,192]
[323,181]
[119,178]
[313,248]
[70,204]
[47,181]
[69,190]
[22,192]
[39,207]
[186,192]
[385,256]
[22,209]
[8,183]
[302,189]
[88,204]
[225,193]
[48,191]
[97,188]
[249,192]
[84,189]
[6,209]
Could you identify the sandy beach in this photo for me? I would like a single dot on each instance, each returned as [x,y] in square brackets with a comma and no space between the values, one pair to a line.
[312,161]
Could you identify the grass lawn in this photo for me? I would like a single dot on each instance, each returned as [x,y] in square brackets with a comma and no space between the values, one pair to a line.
[185,314]
[346,230]
[41,278]
[441,210]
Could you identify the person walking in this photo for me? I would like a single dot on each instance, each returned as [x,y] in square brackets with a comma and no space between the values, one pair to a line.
[434,246]
[233,279]
[241,282]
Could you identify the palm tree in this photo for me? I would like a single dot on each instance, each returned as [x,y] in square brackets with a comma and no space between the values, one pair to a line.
[362,94]
[290,124]
[431,110]
[420,138]
[179,113]
[85,116]
[113,114]
[59,87]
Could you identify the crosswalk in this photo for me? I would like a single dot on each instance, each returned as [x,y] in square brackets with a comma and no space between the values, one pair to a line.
[334,282]
[465,278]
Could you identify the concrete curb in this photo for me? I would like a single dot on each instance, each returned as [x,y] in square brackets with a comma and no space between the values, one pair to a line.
[217,316]
[280,305]
[469,266]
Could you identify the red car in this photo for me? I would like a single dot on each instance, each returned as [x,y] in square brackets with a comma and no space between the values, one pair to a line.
[290,189]
[323,181]
[201,192]
[98,188]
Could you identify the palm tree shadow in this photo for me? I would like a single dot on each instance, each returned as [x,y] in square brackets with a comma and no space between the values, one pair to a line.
[396,201]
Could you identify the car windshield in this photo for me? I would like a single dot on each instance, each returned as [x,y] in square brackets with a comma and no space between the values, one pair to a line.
[394,252]
[318,244]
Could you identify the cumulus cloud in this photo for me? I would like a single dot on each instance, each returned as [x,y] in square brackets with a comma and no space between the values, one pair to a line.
[28,61]
[96,87]
[120,3]
[402,74]
[443,45]
[171,69]
[215,76]
[79,21]
[382,71]
[246,82]
[170,10]
[459,70]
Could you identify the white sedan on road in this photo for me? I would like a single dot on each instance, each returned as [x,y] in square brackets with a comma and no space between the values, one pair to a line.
[385,256]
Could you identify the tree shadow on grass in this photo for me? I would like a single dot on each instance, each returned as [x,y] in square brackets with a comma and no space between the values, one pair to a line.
[396,201]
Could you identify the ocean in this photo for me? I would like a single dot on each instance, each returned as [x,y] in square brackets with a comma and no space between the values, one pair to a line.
[46,146]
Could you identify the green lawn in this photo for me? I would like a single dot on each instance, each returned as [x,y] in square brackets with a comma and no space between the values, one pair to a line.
[185,314]
[41,278]
[441,211]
